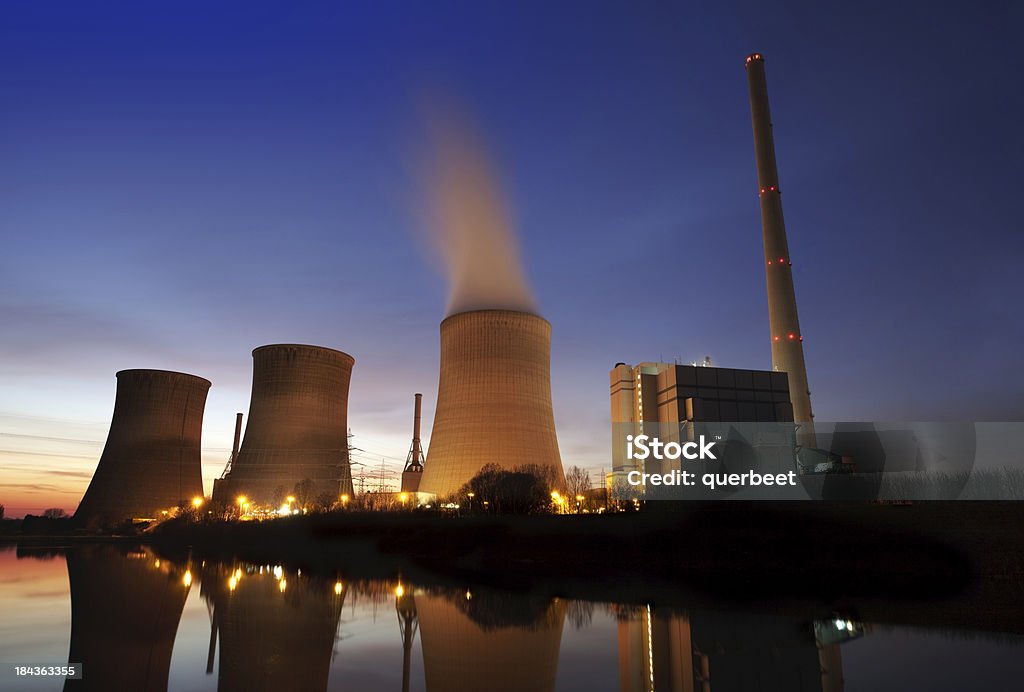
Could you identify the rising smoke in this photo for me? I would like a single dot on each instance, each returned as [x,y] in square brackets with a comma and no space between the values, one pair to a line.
[470,226]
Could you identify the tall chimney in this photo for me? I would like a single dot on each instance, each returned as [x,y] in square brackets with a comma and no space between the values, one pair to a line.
[238,436]
[786,338]
[416,420]
[414,462]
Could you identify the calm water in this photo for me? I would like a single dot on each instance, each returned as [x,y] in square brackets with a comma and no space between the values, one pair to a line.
[137,622]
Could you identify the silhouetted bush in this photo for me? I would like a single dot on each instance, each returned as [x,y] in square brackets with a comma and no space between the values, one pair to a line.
[522,490]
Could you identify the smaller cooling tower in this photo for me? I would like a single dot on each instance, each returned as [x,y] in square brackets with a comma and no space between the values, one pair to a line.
[297,428]
[493,399]
[151,461]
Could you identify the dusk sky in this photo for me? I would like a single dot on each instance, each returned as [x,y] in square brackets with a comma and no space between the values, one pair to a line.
[181,183]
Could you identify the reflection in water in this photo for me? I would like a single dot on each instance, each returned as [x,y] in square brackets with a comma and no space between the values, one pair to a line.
[276,628]
[477,641]
[408,623]
[125,608]
[722,651]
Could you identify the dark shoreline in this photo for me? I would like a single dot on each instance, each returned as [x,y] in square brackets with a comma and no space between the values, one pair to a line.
[932,564]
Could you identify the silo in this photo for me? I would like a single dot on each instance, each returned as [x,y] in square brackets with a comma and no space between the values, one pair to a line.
[297,429]
[151,460]
[493,399]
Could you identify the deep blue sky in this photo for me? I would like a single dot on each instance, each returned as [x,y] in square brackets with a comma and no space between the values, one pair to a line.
[181,183]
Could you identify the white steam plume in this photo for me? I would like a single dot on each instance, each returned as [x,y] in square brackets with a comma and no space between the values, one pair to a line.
[470,223]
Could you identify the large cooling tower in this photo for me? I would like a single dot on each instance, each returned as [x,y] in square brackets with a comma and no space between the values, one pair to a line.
[493,399]
[298,426]
[151,460]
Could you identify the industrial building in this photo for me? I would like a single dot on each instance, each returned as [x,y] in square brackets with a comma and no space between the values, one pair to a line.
[493,399]
[660,399]
[297,429]
[151,460]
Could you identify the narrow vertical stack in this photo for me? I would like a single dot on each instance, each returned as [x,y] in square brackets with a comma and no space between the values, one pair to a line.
[786,338]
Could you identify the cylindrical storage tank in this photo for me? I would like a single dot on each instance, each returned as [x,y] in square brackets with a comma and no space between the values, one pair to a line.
[493,399]
[151,461]
[297,429]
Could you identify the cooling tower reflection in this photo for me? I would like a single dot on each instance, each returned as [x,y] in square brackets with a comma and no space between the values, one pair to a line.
[276,627]
[489,642]
[125,609]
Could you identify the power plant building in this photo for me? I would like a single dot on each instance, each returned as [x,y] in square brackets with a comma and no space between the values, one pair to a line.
[151,460]
[297,429]
[656,398]
[493,399]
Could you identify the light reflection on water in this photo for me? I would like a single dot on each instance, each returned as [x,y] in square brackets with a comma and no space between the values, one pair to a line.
[139,622]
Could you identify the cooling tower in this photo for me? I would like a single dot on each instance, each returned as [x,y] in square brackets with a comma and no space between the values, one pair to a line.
[493,399]
[297,429]
[151,460]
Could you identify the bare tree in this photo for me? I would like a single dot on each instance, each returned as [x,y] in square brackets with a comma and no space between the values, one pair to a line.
[54,513]
[577,483]
[305,492]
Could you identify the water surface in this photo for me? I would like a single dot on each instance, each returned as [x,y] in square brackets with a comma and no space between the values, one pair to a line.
[136,621]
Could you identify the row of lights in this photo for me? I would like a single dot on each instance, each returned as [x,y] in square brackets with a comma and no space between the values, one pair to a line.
[782,261]
[770,188]
[277,571]
[791,336]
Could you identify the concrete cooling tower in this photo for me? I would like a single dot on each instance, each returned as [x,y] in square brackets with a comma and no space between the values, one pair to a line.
[298,426]
[151,460]
[493,399]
